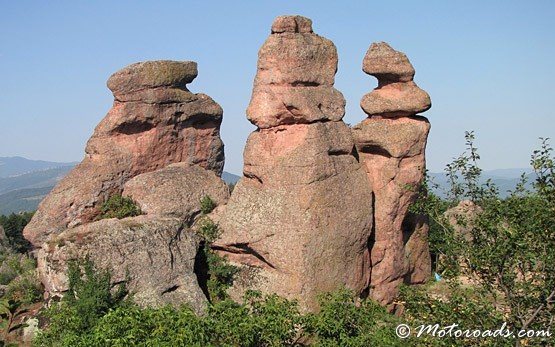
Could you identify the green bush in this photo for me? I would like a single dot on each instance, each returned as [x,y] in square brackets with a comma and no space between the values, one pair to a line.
[446,303]
[344,322]
[118,206]
[509,248]
[207,205]
[18,274]
[89,297]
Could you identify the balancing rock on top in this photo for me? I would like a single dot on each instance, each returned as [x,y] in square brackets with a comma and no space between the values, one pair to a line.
[154,121]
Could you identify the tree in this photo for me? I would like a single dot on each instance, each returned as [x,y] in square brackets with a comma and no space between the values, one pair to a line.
[511,248]
[13,227]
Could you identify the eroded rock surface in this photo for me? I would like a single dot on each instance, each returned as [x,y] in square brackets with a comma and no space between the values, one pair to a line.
[154,121]
[176,191]
[160,146]
[391,145]
[298,222]
[156,255]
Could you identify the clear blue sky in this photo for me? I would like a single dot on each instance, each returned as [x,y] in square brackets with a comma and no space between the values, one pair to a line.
[488,65]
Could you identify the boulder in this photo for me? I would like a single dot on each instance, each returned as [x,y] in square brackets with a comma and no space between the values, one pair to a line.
[298,221]
[155,256]
[396,100]
[295,76]
[176,190]
[387,64]
[154,121]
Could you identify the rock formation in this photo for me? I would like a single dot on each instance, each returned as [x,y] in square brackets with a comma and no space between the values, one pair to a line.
[154,121]
[299,220]
[391,144]
[160,146]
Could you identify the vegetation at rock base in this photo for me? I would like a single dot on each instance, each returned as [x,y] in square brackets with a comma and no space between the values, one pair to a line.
[19,285]
[499,271]
[507,249]
[90,296]
[219,272]
[118,206]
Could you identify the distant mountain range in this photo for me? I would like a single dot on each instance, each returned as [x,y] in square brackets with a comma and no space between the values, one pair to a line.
[24,183]
[505,180]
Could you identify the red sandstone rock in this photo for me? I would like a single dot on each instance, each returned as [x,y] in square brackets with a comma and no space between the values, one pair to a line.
[391,144]
[396,100]
[295,76]
[387,64]
[417,250]
[154,122]
[298,222]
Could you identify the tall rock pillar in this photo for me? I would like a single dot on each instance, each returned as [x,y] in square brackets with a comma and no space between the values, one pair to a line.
[391,144]
[297,220]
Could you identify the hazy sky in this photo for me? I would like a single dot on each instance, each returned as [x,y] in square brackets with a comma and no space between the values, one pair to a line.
[488,66]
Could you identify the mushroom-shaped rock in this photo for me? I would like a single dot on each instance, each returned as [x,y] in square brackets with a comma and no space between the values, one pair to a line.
[391,146]
[154,121]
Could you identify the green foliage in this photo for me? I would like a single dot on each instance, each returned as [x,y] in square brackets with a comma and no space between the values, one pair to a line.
[220,275]
[258,321]
[449,303]
[219,272]
[344,322]
[18,274]
[13,227]
[208,230]
[10,312]
[89,298]
[118,206]
[510,243]
[207,204]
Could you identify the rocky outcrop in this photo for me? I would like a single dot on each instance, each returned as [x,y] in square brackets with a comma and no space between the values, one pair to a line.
[156,252]
[154,121]
[391,144]
[298,222]
[416,249]
[176,191]
[160,146]
[154,255]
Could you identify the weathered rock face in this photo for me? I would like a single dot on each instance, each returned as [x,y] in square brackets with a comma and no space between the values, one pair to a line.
[300,218]
[295,76]
[155,121]
[391,143]
[156,252]
[156,255]
[176,191]
[417,251]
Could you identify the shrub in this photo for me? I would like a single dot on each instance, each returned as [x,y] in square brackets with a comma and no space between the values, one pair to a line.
[344,322]
[510,248]
[18,274]
[207,205]
[89,297]
[118,206]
